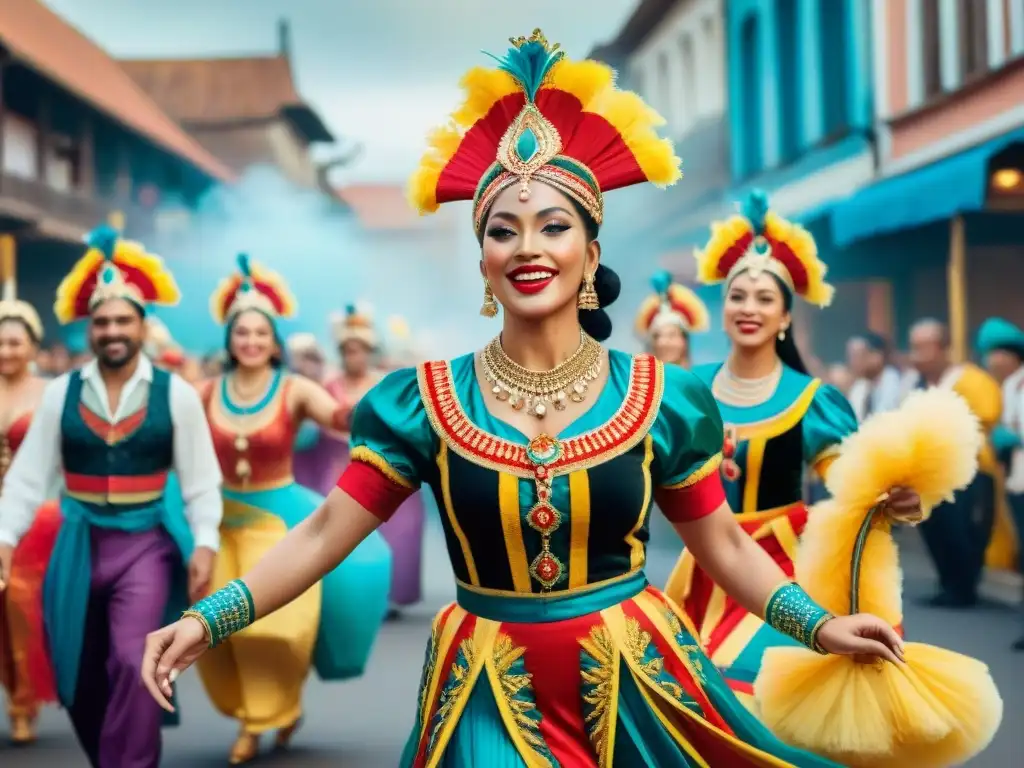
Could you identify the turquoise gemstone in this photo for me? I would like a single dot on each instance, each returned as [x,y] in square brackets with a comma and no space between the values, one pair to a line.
[527,145]
[108,274]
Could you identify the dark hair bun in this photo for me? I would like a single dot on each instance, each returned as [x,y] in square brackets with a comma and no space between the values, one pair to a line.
[597,322]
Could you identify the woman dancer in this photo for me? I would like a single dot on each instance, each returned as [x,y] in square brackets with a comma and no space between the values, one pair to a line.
[546,450]
[666,320]
[319,453]
[25,669]
[254,410]
[779,420]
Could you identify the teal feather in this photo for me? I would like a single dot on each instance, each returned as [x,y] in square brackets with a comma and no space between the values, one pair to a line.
[243,265]
[350,310]
[529,64]
[755,209]
[660,281]
[103,239]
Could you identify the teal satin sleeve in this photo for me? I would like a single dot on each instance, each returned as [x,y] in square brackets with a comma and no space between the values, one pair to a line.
[307,437]
[688,431]
[391,423]
[829,419]
[1005,439]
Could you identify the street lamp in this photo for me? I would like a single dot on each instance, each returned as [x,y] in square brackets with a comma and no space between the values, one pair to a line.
[1007,179]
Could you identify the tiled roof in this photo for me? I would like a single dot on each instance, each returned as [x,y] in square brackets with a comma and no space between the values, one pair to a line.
[381,206]
[197,91]
[43,41]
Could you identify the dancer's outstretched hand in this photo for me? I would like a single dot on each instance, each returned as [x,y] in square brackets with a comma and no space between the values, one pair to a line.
[862,635]
[169,652]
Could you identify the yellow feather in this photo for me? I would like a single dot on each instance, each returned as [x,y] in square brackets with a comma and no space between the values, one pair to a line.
[71,286]
[724,235]
[938,709]
[802,243]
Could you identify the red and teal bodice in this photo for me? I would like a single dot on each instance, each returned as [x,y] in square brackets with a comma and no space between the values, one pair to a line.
[769,446]
[122,465]
[555,514]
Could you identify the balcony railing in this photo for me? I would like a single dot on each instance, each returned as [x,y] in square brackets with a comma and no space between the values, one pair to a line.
[65,214]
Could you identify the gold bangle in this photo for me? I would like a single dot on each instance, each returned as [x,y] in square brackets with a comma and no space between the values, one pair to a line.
[202,620]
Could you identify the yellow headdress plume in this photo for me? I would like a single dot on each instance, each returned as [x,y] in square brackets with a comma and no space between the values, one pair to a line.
[252,287]
[673,304]
[759,240]
[355,325]
[10,307]
[542,116]
[113,268]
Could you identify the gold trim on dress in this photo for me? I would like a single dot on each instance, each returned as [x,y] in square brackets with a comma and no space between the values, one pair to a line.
[709,467]
[601,722]
[449,510]
[512,528]
[369,456]
[579,528]
[637,552]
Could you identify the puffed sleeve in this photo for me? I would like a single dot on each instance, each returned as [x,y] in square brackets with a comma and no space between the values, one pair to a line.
[391,444]
[687,442]
[828,420]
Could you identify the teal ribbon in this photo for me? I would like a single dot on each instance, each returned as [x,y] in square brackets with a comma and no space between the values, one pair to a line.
[68,577]
[553,606]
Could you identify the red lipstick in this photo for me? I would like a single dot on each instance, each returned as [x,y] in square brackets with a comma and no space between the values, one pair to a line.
[530,279]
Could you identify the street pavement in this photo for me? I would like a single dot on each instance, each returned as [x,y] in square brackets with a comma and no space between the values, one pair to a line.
[364,723]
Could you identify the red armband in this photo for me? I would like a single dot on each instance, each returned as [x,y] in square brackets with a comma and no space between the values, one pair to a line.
[688,501]
[375,492]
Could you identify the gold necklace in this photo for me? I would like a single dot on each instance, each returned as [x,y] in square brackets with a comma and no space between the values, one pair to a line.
[536,390]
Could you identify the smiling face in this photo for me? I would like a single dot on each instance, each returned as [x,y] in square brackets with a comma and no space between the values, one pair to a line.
[252,342]
[536,252]
[755,310]
[116,332]
[17,347]
[670,344]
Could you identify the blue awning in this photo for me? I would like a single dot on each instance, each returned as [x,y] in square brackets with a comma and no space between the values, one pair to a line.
[941,190]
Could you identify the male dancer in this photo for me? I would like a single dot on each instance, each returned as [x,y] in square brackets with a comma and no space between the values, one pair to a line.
[113,432]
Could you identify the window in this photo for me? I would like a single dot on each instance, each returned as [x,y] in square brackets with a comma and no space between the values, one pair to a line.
[789,80]
[972,26]
[21,147]
[666,90]
[834,42]
[931,48]
[688,114]
[751,91]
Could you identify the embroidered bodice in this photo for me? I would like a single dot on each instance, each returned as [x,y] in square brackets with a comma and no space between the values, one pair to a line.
[553,514]
[768,446]
[255,451]
[11,439]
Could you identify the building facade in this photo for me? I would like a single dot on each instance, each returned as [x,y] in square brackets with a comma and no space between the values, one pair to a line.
[671,52]
[245,110]
[943,224]
[79,141]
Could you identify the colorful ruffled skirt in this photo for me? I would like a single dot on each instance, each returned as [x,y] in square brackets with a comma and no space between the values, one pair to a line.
[607,676]
[257,676]
[732,637]
[25,668]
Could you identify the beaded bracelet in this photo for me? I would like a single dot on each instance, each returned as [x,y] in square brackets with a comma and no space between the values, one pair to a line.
[792,612]
[225,612]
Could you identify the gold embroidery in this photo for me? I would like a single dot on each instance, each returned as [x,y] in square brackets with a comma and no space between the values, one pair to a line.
[599,690]
[453,687]
[648,660]
[709,467]
[618,435]
[516,690]
[369,456]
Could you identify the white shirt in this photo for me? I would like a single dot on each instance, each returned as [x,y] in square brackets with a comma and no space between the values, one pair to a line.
[36,468]
[883,394]
[1013,419]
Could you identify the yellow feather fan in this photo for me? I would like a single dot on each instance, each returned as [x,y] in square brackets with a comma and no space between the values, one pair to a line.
[938,709]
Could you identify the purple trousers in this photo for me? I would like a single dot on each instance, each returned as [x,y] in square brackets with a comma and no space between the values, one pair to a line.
[404,534]
[116,720]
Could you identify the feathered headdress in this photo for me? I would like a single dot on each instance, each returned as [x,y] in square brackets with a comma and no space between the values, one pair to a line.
[355,325]
[541,116]
[10,307]
[759,240]
[113,268]
[252,287]
[672,304]
[303,343]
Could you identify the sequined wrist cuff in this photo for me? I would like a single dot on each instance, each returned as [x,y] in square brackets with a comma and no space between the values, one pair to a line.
[792,612]
[225,612]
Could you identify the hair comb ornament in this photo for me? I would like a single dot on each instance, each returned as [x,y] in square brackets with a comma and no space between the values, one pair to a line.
[539,116]
[10,307]
[758,240]
[671,304]
[113,268]
[252,287]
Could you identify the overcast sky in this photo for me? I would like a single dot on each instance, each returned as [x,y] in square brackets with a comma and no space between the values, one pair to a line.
[379,71]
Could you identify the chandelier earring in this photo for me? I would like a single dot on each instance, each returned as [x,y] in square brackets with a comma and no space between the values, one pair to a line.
[490,306]
[588,295]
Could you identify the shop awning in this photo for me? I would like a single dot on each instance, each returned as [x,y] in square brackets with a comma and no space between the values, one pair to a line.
[941,190]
